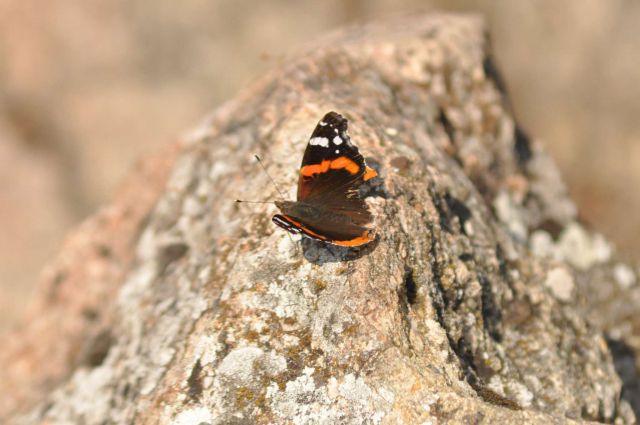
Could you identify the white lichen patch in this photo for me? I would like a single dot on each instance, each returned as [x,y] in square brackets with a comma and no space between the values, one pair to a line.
[290,340]
[581,248]
[354,389]
[301,401]
[391,131]
[624,276]
[576,245]
[435,332]
[290,295]
[147,245]
[533,382]
[165,356]
[511,215]
[541,244]
[89,391]
[429,401]
[546,182]
[288,303]
[192,207]
[239,366]
[274,364]
[204,275]
[520,393]
[200,304]
[561,283]
[249,300]
[332,388]
[194,416]
[287,246]
[338,327]
[388,395]
[462,272]
[219,169]
[351,401]
[468,228]
[150,380]
[182,173]
[139,280]
[206,350]
[495,384]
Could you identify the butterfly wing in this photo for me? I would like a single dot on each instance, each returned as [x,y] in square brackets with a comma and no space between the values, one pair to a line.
[331,174]
[338,233]
[332,168]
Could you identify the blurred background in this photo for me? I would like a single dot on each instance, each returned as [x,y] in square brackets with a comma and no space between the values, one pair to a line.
[87,86]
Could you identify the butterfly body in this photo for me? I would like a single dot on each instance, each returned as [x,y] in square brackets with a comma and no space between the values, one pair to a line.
[329,207]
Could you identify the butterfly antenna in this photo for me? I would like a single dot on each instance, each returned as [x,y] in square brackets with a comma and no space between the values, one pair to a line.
[254,202]
[270,178]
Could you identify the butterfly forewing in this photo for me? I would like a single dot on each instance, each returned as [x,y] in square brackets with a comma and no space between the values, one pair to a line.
[332,168]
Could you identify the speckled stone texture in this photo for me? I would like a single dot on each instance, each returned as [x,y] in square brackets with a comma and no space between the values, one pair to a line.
[472,306]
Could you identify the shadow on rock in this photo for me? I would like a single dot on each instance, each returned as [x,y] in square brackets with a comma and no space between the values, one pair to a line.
[624,360]
[317,252]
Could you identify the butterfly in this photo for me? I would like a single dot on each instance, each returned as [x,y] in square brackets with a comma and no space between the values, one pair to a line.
[329,207]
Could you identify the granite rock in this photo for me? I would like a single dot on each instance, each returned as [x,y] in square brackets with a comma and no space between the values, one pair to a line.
[451,316]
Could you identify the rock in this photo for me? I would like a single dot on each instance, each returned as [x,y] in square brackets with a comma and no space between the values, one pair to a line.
[214,315]
[560,281]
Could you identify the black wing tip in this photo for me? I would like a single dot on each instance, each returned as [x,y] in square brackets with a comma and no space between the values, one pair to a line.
[336,120]
[330,125]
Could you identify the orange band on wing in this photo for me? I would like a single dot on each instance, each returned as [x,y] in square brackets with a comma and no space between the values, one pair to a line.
[344,162]
[309,170]
[301,226]
[369,174]
[366,237]
[324,166]
[361,240]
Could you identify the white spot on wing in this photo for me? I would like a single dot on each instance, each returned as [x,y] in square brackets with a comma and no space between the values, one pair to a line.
[337,151]
[322,123]
[319,141]
[337,140]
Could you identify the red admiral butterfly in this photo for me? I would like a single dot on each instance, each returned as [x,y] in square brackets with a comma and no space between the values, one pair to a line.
[329,207]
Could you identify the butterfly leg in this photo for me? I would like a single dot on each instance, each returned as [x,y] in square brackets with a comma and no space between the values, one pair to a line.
[295,244]
[331,251]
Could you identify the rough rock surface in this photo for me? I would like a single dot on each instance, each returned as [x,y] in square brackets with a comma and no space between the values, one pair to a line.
[472,306]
